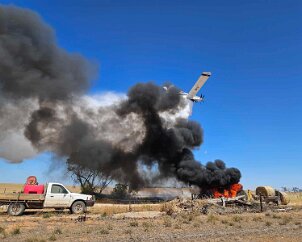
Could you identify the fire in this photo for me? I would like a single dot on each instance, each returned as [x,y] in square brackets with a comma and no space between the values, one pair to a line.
[227,192]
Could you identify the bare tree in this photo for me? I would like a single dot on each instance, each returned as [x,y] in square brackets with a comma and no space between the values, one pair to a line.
[285,189]
[295,189]
[91,181]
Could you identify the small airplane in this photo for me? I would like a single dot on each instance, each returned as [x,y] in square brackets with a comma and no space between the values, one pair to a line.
[198,85]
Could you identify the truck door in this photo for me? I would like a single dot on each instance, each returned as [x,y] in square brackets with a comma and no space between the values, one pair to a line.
[57,196]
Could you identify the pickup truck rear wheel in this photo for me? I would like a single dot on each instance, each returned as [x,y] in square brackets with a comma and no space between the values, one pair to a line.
[16,209]
[78,207]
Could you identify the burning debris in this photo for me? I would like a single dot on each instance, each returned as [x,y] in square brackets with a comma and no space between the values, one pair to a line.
[265,198]
[45,86]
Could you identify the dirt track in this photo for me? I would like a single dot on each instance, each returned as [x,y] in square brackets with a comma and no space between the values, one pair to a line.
[50,226]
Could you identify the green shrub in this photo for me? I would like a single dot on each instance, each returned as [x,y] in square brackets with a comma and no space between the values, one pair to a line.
[57,231]
[236,218]
[128,231]
[268,214]
[109,227]
[257,219]
[120,191]
[52,238]
[46,215]
[224,221]
[104,231]
[276,216]
[16,231]
[133,223]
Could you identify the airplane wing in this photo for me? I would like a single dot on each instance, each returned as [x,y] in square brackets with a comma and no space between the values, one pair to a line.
[200,82]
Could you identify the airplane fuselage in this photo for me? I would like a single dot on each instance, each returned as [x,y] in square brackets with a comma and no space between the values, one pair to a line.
[192,94]
[193,99]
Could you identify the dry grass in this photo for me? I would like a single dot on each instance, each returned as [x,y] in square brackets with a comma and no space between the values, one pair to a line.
[276,216]
[177,224]
[295,198]
[52,238]
[167,222]
[147,226]
[133,223]
[182,227]
[212,218]
[104,231]
[285,220]
[237,218]
[34,239]
[110,209]
[10,187]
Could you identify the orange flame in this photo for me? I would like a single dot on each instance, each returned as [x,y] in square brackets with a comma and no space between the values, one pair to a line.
[227,193]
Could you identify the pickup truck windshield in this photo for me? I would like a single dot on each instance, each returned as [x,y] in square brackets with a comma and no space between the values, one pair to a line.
[58,189]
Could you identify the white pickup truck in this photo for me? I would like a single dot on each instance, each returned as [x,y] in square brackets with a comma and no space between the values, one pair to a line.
[55,196]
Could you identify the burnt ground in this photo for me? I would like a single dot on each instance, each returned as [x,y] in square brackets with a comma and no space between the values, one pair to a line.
[145,226]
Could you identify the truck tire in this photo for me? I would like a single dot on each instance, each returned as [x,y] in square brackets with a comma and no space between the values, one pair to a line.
[78,207]
[16,209]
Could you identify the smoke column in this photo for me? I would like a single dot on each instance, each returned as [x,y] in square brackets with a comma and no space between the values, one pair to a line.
[43,87]
[33,70]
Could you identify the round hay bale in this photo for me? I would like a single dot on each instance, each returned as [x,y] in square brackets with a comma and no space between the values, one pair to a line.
[284,198]
[266,191]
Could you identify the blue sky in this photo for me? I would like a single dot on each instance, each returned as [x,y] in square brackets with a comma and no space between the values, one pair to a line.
[253,111]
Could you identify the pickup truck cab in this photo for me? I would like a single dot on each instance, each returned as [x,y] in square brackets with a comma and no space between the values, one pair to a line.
[55,196]
[58,196]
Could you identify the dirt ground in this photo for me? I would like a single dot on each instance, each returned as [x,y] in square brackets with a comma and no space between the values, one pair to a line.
[126,224]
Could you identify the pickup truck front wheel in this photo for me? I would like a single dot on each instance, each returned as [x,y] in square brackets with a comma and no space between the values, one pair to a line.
[16,209]
[78,207]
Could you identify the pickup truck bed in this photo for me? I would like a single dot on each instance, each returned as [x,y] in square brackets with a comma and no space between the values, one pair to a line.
[6,198]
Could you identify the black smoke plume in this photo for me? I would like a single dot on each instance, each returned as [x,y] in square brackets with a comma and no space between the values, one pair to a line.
[143,128]
[32,64]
